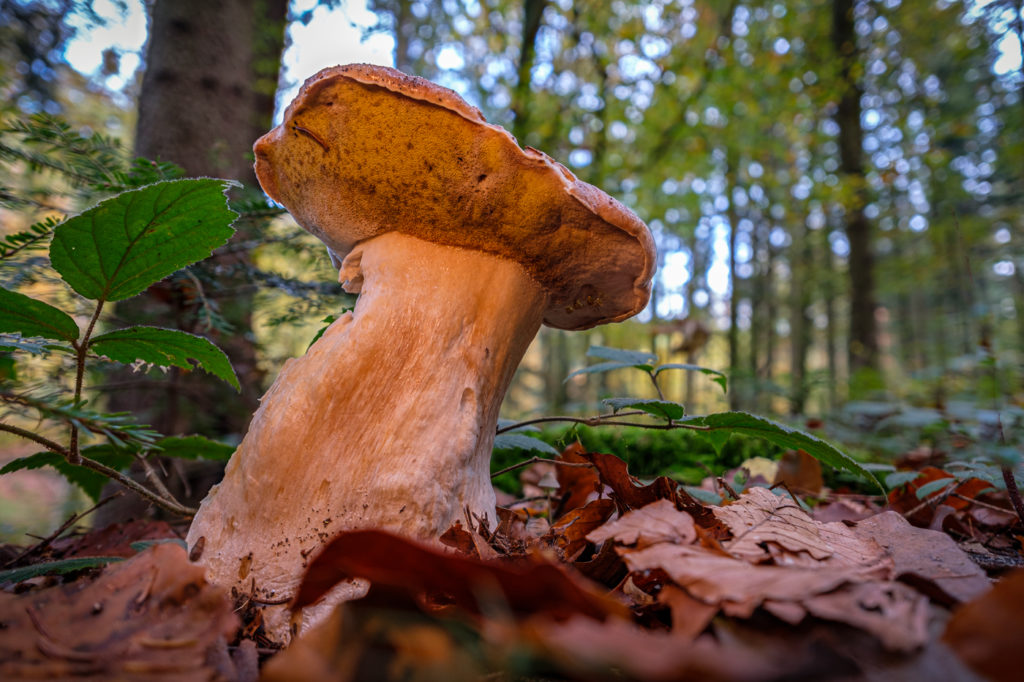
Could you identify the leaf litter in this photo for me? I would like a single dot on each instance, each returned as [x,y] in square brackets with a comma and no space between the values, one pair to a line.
[597,575]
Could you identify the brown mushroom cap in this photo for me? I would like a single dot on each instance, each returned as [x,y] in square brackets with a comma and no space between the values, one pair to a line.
[366,149]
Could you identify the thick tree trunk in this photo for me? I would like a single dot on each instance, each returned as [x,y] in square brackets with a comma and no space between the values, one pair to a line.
[863,342]
[207,94]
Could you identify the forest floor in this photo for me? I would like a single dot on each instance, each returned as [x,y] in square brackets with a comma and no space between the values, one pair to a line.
[591,574]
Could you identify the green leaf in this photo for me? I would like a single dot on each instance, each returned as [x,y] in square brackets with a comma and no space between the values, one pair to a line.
[17,575]
[933,486]
[702,495]
[123,245]
[898,478]
[164,347]
[91,482]
[633,358]
[659,408]
[602,367]
[26,316]
[716,376]
[329,320]
[143,545]
[520,441]
[722,425]
[194,447]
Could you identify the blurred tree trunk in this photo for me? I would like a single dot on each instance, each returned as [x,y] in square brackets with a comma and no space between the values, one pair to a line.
[734,298]
[863,342]
[799,326]
[207,94]
[828,294]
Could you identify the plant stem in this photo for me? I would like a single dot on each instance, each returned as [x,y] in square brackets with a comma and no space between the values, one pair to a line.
[654,380]
[535,460]
[82,348]
[170,504]
[1014,492]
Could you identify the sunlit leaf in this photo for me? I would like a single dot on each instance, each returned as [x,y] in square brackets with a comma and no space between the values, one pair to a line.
[123,245]
[716,376]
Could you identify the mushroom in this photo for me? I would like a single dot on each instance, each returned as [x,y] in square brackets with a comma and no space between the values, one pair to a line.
[461,245]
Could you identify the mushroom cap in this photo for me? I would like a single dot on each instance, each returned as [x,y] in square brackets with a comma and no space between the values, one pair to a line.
[365,149]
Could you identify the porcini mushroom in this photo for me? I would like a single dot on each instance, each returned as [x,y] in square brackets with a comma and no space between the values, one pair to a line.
[461,245]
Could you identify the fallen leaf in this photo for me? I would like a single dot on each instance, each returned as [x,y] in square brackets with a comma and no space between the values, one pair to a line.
[422,572]
[987,632]
[800,472]
[760,518]
[891,611]
[657,522]
[151,617]
[576,485]
[928,554]
[569,533]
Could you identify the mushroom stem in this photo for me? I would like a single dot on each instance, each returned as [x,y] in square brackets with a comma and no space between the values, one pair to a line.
[387,421]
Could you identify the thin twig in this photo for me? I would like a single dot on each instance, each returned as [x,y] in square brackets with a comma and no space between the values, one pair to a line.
[75,518]
[82,348]
[172,506]
[535,460]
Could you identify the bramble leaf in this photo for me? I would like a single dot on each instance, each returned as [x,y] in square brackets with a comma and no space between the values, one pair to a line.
[29,317]
[91,482]
[633,358]
[520,441]
[164,347]
[123,245]
[719,427]
[659,408]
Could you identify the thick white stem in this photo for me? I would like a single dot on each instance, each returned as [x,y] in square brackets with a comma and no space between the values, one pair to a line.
[387,421]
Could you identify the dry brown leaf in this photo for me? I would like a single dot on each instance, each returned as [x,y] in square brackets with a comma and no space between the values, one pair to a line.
[569,533]
[738,585]
[800,472]
[690,616]
[657,522]
[576,485]
[891,611]
[926,554]
[760,517]
[987,633]
[152,617]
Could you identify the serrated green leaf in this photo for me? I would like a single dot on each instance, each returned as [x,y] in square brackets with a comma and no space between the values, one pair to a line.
[632,358]
[658,408]
[21,314]
[164,347]
[123,245]
[17,575]
[722,425]
[91,482]
[520,441]
[933,486]
[194,447]
[329,320]
[600,367]
[716,376]
[898,478]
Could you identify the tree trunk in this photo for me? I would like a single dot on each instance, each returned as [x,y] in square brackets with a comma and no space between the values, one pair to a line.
[863,342]
[533,13]
[799,331]
[207,93]
[734,298]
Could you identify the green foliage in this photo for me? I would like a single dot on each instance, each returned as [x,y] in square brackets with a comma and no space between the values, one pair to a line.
[110,252]
[129,242]
[20,314]
[164,348]
[62,567]
[658,408]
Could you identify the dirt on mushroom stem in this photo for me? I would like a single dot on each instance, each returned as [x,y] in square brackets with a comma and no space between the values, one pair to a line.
[387,421]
